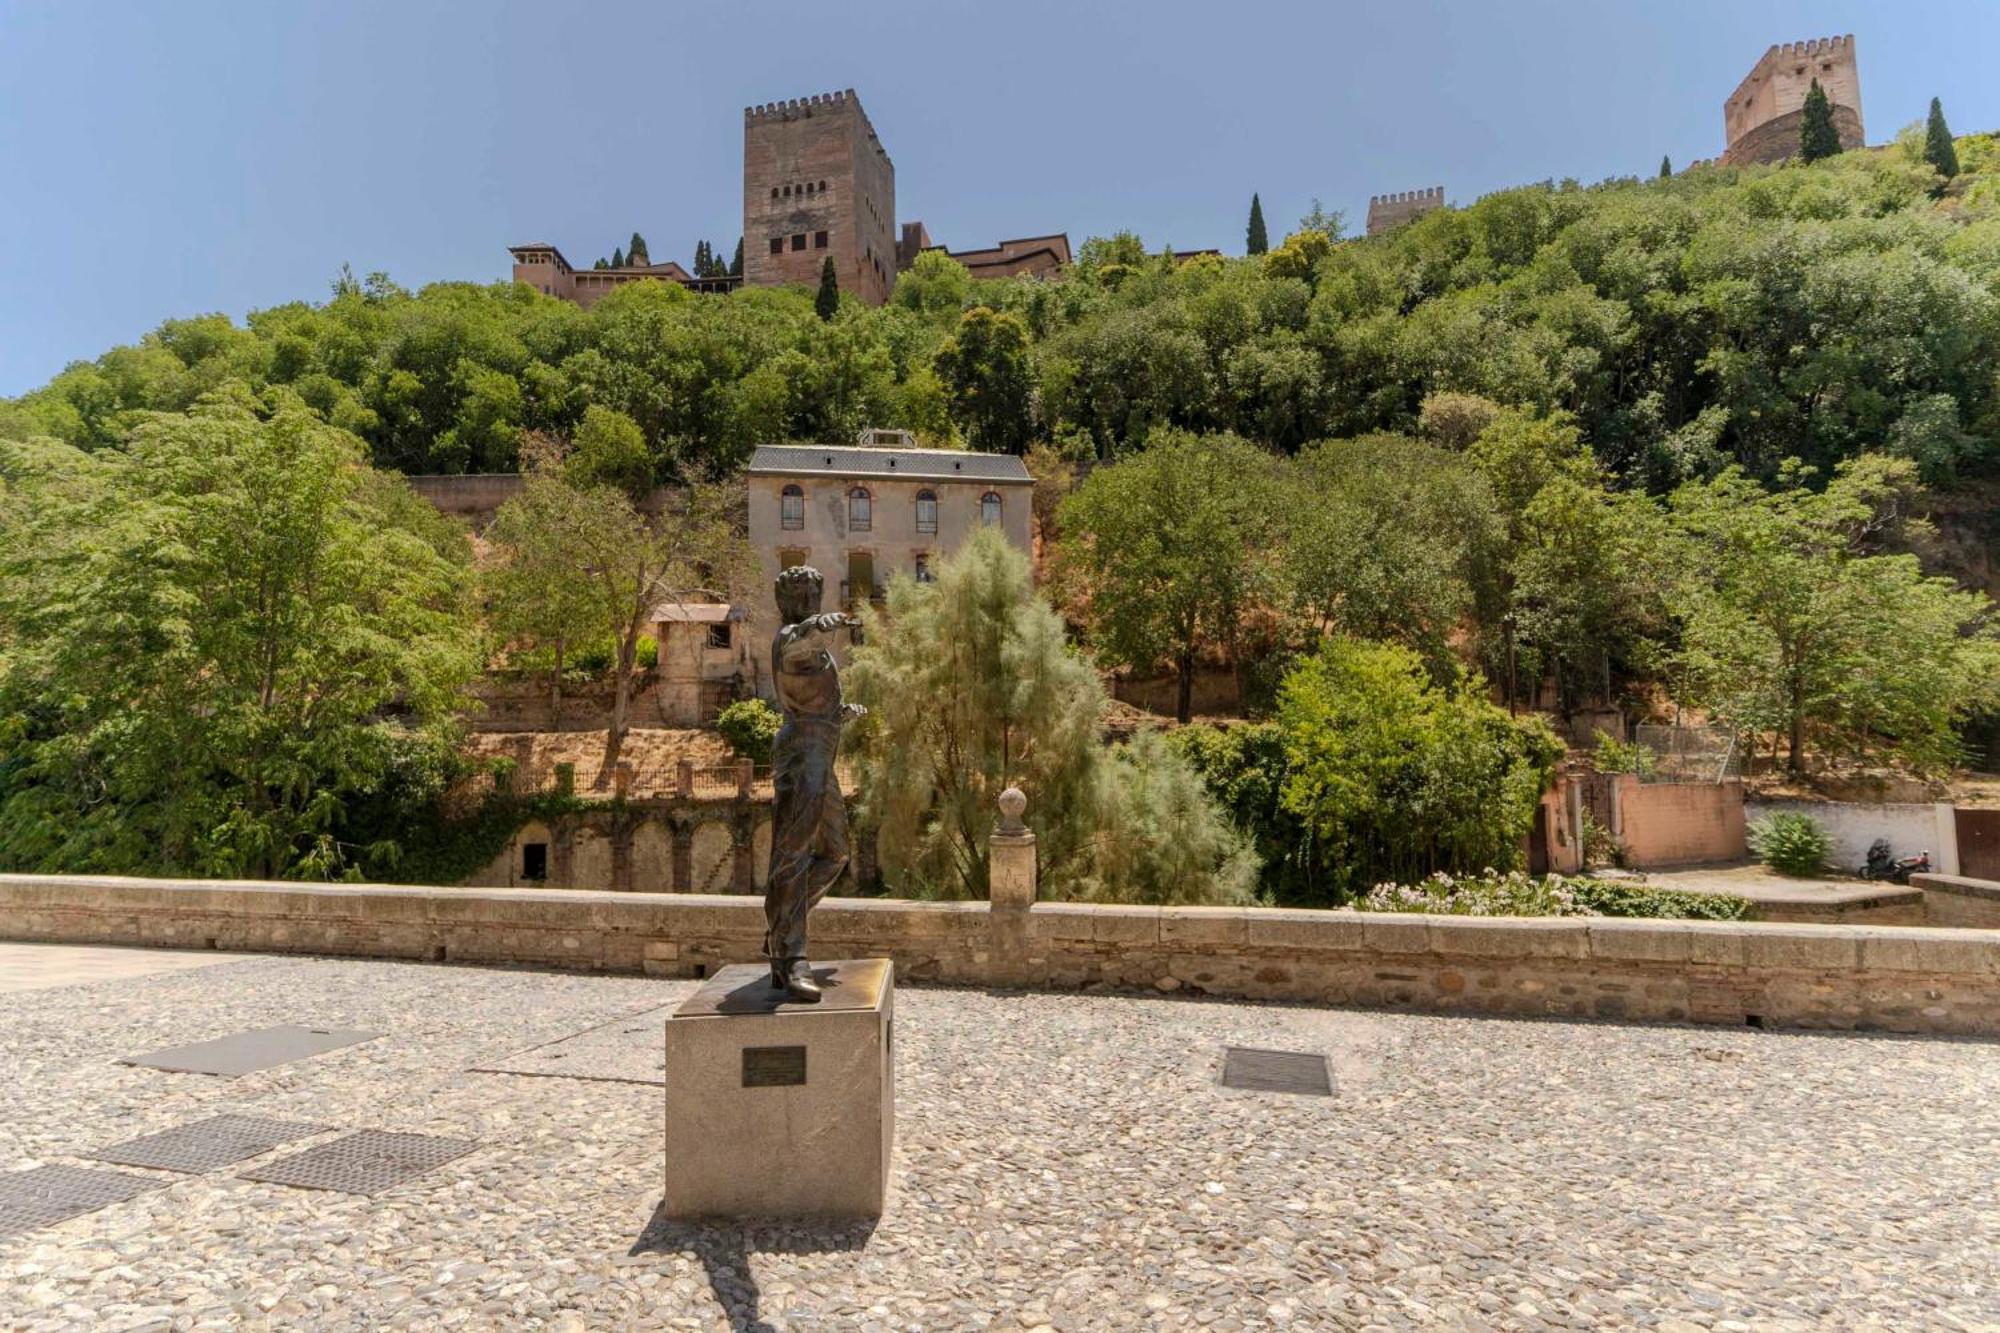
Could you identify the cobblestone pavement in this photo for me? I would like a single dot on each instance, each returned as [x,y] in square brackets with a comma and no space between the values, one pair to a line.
[1063,1161]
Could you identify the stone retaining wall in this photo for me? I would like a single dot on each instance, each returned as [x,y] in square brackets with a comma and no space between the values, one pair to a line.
[1956,900]
[1891,978]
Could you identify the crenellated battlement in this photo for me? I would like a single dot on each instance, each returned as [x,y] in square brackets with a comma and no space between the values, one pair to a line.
[1433,196]
[1386,211]
[795,107]
[1841,48]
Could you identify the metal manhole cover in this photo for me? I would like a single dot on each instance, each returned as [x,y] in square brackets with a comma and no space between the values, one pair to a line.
[1276,1071]
[206,1144]
[50,1194]
[362,1163]
[247,1052]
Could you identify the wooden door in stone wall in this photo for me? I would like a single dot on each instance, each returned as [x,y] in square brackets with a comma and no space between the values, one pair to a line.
[1978,843]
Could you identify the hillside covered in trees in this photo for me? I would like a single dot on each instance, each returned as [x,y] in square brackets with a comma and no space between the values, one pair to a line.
[1722,315]
[1680,441]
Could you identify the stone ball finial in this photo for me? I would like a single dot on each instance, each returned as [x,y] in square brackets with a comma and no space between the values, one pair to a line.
[1013,802]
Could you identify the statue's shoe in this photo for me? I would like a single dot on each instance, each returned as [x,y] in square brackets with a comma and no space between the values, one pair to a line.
[799,985]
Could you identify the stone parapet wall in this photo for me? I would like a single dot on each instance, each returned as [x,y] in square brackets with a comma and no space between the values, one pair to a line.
[1887,978]
[1959,901]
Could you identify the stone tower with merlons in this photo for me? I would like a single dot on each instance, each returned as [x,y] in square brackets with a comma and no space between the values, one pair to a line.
[817,184]
[1761,118]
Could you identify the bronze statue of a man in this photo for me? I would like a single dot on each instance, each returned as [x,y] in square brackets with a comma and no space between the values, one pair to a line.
[809,823]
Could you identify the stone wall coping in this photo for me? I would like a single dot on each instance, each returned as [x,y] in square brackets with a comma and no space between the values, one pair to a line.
[1895,978]
[1292,930]
[1963,885]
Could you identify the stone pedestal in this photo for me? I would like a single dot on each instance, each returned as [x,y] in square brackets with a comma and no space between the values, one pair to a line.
[777,1109]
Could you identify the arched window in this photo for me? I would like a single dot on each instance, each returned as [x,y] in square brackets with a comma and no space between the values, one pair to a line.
[792,508]
[989,507]
[859,509]
[926,511]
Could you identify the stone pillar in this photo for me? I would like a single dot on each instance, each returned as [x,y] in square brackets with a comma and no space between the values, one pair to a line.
[746,773]
[621,780]
[684,778]
[1011,857]
[683,857]
[621,854]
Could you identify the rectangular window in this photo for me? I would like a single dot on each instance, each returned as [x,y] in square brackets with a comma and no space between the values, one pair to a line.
[792,510]
[718,635]
[777,245]
[819,240]
[798,240]
[791,556]
[926,512]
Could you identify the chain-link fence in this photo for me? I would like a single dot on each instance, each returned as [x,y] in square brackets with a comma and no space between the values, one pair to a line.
[1687,754]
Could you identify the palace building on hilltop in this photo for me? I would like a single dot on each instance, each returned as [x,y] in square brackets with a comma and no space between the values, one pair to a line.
[817,185]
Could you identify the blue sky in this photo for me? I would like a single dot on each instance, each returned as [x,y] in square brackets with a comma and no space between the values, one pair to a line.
[161,160]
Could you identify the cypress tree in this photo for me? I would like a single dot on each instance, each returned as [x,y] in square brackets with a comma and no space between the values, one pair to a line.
[827,303]
[1666,167]
[635,253]
[1939,150]
[617,257]
[736,264]
[701,259]
[1256,241]
[1817,136]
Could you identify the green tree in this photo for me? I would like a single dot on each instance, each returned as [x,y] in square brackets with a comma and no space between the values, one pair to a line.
[1163,553]
[617,258]
[827,304]
[1790,624]
[971,687]
[1939,150]
[986,369]
[610,451]
[1397,778]
[1817,136]
[217,639]
[1385,538]
[540,594]
[1256,241]
[1666,168]
[736,263]
[701,259]
[635,253]
[934,285]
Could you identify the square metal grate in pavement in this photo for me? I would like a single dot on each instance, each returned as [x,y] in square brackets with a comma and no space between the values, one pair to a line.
[247,1052]
[50,1194]
[206,1144]
[1276,1071]
[366,1162]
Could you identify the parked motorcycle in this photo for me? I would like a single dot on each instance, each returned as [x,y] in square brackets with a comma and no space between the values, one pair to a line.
[1883,864]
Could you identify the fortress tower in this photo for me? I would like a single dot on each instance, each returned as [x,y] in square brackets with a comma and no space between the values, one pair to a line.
[1761,118]
[1387,211]
[818,183]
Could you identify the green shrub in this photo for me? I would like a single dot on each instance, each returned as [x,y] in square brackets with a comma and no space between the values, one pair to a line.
[1616,756]
[647,654]
[1790,843]
[1515,894]
[749,725]
[593,658]
[1397,777]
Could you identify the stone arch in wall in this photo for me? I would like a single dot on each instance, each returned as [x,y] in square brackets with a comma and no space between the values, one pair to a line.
[714,862]
[652,858]
[590,859]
